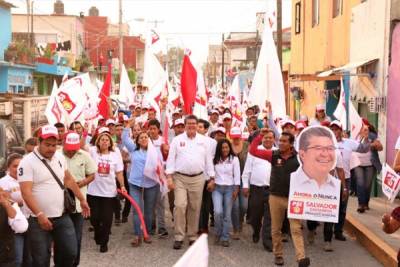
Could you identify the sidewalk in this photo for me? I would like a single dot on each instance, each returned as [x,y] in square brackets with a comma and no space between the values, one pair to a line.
[367,229]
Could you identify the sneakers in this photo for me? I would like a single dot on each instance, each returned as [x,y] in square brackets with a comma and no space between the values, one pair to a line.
[136,242]
[124,219]
[147,240]
[311,237]
[191,242]
[328,247]
[279,261]
[117,222]
[178,244]
[163,233]
[304,262]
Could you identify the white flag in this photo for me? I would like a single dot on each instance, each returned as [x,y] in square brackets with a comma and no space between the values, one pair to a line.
[200,104]
[196,255]
[390,182]
[268,83]
[153,168]
[53,111]
[73,97]
[355,121]
[126,94]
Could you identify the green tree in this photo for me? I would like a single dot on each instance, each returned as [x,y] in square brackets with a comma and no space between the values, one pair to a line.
[132,75]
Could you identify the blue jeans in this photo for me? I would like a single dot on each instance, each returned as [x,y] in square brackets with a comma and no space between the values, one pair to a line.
[63,235]
[77,220]
[22,252]
[239,209]
[364,176]
[146,199]
[342,210]
[222,200]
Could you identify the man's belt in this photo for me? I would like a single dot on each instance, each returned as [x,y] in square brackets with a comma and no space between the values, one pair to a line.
[190,175]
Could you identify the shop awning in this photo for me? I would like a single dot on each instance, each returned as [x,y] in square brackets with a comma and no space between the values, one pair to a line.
[362,88]
[347,67]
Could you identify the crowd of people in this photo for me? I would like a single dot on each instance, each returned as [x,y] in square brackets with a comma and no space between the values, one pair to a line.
[218,175]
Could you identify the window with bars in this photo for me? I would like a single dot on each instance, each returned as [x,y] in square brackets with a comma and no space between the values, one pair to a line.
[315,12]
[297,18]
[337,8]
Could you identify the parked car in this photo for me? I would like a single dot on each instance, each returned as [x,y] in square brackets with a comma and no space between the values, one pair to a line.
[10,142]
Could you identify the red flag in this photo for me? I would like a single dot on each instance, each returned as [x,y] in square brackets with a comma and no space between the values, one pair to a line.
[104,95]
[188,84]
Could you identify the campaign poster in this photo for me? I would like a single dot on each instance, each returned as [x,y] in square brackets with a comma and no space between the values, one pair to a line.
[314,192]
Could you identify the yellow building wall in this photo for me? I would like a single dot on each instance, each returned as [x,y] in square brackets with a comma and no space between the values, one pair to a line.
[318,48]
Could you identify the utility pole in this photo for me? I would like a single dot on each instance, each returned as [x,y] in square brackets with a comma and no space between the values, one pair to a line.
[28,11]
[223,62]
[279,29]
[121,44]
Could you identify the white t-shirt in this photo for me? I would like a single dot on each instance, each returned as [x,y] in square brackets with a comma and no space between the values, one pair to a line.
[104,184]
[46,191]
[11,185]
[346,148]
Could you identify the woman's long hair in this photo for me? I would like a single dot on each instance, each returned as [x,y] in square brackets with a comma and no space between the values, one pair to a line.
[110,148]
[218,151]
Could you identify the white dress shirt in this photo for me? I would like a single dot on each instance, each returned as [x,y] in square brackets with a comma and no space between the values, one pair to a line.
[299,179]
[190,156]
[256,171]
[19,224]
[227,172]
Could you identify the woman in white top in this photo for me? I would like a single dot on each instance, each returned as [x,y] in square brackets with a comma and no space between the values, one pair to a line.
[10,184]
[103,190]
[227,182]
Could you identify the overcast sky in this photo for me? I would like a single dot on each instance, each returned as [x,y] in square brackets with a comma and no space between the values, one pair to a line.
[187,23]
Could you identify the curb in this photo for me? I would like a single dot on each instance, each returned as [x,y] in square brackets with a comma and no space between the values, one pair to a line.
[384,253]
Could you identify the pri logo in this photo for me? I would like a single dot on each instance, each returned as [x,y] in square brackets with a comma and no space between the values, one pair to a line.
[296,207]
[66,102]
[390,180]
[103,168]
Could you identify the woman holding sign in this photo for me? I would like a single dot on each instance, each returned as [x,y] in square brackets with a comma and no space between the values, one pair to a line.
[103,190]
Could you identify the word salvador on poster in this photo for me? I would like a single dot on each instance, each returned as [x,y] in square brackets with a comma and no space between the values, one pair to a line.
[314,193]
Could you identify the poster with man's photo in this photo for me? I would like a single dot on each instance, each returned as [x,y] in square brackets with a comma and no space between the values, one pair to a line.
[314,192]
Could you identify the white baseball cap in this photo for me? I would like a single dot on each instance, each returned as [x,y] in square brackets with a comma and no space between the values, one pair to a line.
[226,116]
[288,121]
[235,132]
[336,123]
[220,129]
[48,131]
[110,121]
[72,141]
[320,107]
[179,122]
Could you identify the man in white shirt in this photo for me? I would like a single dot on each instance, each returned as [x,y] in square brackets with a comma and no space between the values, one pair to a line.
[189,162]
[154,134]
[45,198]
[346,147]
[214,117]
[256,175]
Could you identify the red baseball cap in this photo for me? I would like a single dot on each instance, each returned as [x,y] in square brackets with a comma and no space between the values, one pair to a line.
[48,131]
[72,141]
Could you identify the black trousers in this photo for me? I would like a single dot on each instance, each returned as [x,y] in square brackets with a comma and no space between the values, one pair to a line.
[260,218]
[328,229]
[101,217]
[205,209]
[127,205]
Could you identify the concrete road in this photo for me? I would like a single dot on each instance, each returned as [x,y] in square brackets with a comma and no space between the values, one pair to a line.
[241,253]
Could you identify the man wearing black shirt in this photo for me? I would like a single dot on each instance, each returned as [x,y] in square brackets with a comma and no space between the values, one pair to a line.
[284,162]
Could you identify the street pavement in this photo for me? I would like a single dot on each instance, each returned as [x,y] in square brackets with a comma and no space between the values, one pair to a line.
[242,252]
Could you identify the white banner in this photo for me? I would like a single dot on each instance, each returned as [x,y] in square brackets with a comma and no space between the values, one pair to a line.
[390,182]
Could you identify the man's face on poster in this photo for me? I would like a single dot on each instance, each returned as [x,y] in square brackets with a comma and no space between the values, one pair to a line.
[319,156]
